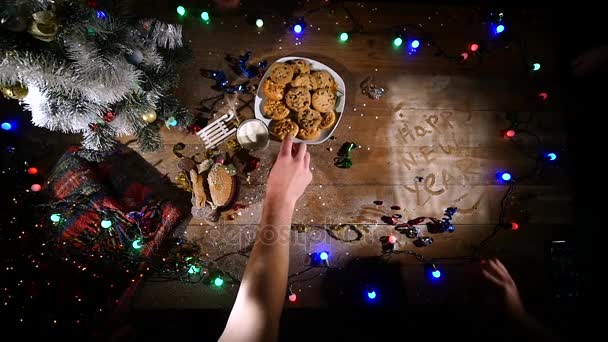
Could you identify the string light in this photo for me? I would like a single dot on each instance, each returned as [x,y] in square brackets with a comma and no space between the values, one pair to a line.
[106,224]
[543,95]
[514,226]
[551,156]
[297,28]
[464,56]
[292,297]
[371,294]
[474,47]
[436,274]
[193,269]
[323,256]
[55,218]
[6,126]
[505,176]
[343,37]
[392,239]
[499,29]
[205,16]
[137,244]
[32,170]
[181,10]
[397,41]
[36,187]
[535,66]
[415,44]
[172,122]
[509,133]
[101,15]
[218,281]
[433,271]
[259,23]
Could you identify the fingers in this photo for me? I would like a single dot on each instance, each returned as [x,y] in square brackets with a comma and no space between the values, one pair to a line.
[491,277]
[502,269]
[301,151]
[286,146]
[307,160]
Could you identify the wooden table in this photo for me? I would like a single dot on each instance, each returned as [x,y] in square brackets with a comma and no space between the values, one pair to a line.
[440,120]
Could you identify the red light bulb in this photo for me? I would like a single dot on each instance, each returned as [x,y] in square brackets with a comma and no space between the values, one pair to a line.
[32,170]
[293,297]
[392,239]
[464,56]
[514,226]
[543,96]
[509,133]
[474,47]
[36,187]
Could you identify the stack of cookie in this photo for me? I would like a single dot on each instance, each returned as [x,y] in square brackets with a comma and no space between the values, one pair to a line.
[290,90]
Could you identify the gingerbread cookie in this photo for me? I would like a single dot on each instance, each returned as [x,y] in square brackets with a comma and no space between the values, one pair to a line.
[275,110]
[324,79]
[324,100]
[329,119]
[300,66]
[272,90]
[281,73]
[283,128]
[298,98]
[305,80]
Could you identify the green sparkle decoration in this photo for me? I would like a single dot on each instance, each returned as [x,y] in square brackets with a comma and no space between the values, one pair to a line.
[343,160]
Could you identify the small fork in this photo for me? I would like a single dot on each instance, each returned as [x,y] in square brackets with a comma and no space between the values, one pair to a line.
[219,130]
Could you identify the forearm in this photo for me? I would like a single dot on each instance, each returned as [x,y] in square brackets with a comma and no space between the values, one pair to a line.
[260,299]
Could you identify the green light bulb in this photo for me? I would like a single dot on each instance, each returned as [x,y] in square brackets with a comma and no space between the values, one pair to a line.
[137,244]
[193,269]
[397,42]
[205,16]
[218,281]
[181,10]
[536,66]
[55,218]
[343,36]
[106,224]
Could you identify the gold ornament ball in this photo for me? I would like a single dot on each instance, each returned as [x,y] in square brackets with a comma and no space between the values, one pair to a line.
[16,92]
[149,117]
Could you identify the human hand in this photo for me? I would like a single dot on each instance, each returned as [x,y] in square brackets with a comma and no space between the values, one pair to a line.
[290,174]
[497,273]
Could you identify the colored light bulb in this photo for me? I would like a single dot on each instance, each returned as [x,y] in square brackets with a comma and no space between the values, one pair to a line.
[101,15]
[343,37]
[436,274]
[510,133]
[193,269]
[536,66]
[415,44]
[32,170]
[259,23]
[137,244]
[181,10]
[392,239]
[505,176]
[55,217]
[500,28]
[218,281]
[323,256]
[397,41]
[551,156]
[205,16]
[6,126]
[371,294]
[474,47]
[172,122]
[514,226]
[297,28]
[293,297]
[106,224]
[36,187]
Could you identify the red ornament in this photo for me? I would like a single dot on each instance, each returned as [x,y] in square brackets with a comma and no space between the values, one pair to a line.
[474,47]
[109,116]
[514,226]
[392,239]
[32,170]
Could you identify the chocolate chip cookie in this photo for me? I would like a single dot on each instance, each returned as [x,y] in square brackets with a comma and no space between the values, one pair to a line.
[275,110]
[273,90]
[324,79]
[328,120]
[309,120]
[281,73]
[283,128]
[297,98]
[305,80]
[324,100]
[300,66]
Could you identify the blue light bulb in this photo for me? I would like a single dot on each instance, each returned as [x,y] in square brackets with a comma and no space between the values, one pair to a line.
[500,28]
[323,255]
[6,126]
[552,156]
[297,28]
[101,15]
[415,44]
[371,294]
[436,274]
[505,176]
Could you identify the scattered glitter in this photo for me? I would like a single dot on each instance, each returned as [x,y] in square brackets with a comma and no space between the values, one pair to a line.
[376,118]
[239,213]
[361,114]
[354,109]
[369,148]
[323,203]
[321,185]
[349,127]
[365,105]
[376,69]
[312,220]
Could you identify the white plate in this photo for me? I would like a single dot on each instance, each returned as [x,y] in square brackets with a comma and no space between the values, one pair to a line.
[340,99]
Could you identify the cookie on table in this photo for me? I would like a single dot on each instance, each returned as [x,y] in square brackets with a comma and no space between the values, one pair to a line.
[298,98]
[281,73]
[308,119]
[300,66]
[273,90]
[324,79]
[328,120]
[275,110]
[304,80]
[324,100]
[283,128]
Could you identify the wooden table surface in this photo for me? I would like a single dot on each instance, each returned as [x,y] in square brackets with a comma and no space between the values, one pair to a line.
[439,119]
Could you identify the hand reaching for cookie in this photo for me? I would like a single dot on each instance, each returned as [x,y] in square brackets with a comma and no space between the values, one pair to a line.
[497,273]
[290,174]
